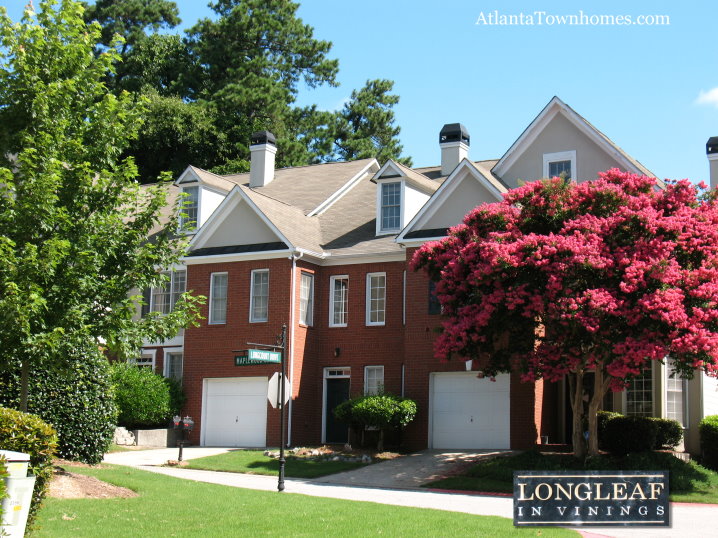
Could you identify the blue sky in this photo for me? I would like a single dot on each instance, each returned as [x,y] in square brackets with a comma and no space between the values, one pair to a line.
[646,87]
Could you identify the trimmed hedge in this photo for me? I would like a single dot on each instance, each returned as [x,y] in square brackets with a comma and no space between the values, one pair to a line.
[76,400]
[623,435]
[23,432]
[708,429]
[144,399]
[632,434]
[380,411]
[3,473]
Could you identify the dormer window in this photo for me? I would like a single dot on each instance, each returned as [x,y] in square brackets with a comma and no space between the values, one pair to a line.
[561,164]
[190,209]
[390,206]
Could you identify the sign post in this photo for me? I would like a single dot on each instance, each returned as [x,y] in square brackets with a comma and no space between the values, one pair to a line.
[261,356]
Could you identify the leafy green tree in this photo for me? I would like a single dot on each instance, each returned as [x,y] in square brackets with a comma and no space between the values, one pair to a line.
[134,20]
[73,221]
[366,126]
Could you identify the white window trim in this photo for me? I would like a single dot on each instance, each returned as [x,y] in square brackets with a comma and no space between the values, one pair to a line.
[148,353]
[366,378]
[252,319]
[170,288]
[169,351]
[684,395]
[310,311]
[211,299]
[332,279]
[561,156]
[190,231]
[368,298]
[336,372]
[380,188]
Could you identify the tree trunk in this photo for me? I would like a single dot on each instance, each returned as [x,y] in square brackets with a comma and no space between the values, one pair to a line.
[24,381]
[600,387]
[575,383]
[380,444]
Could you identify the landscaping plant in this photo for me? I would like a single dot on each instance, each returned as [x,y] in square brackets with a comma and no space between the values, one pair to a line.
[77,401]
[566,279]
[23,432]
[144,399]
[381,411]
[708,429]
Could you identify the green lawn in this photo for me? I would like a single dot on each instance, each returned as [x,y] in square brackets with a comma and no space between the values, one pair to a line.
[689,482]
[255,462]
[170,506]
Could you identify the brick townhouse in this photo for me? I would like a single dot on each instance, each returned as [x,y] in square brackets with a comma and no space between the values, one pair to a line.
[325,249]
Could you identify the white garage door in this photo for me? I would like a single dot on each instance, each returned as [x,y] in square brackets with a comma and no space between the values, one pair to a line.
[467,412]
[235,412]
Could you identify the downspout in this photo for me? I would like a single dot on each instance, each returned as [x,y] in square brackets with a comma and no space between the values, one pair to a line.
[295,256]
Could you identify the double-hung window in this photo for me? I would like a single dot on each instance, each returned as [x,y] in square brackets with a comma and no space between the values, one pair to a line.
[173,365]
[373,379]
[306,299]
[163,298]
[190,209]
[675,395]
[218,299]
[259,303]
[375,298]
[338,300]
[390,207]
[639,395]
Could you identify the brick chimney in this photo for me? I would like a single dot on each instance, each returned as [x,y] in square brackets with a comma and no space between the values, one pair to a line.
[454,143]
[263,148]
[712,153]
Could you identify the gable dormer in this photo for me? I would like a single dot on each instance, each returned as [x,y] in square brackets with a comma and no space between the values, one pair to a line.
[400,194]
[203,192]
[558,142]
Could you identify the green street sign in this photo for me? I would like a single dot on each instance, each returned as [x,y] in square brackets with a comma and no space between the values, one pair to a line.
[261,355]
[244,360]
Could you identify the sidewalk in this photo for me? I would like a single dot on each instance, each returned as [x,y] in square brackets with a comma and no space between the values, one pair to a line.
[688,520]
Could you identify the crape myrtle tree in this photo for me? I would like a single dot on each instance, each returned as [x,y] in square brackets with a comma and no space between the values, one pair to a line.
[74,223]
[565,279]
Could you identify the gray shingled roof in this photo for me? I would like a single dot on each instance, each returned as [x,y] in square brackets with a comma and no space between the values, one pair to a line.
[306,187]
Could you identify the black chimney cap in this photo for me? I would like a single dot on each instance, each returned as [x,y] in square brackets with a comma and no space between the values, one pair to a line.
[263,137]
[712,145]
[454,132]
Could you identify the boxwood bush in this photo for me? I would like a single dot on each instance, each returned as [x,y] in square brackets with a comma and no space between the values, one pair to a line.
[144,399]
[75,399]
[23,432]
[708,429]
[669,434]
[381,411]
[623,435]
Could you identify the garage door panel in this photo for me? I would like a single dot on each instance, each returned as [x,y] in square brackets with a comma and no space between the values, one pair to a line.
[236,412]
[470,413]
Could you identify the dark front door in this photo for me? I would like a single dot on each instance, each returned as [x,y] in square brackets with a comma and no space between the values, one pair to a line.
[337,392]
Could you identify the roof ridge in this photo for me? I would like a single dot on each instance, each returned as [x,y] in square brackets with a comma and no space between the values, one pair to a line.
[301,166]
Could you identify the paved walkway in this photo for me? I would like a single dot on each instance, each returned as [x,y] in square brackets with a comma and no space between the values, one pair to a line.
[368,484]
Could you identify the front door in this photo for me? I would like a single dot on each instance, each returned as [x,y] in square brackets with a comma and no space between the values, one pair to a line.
[337,391]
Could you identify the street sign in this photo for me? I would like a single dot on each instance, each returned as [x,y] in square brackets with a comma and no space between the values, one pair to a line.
[261,355]
[273,389]
[244,360]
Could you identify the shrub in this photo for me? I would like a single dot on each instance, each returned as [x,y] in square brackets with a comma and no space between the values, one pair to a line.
[381,411]
[669,434]
[3,473]
[603,418]
[143,397]
[623,435]
[77,401]
[23,432]
[708,429]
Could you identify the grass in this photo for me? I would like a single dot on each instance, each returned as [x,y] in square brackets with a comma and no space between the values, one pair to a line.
[255,462]
[117,448]
[168,506]
[689,482]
